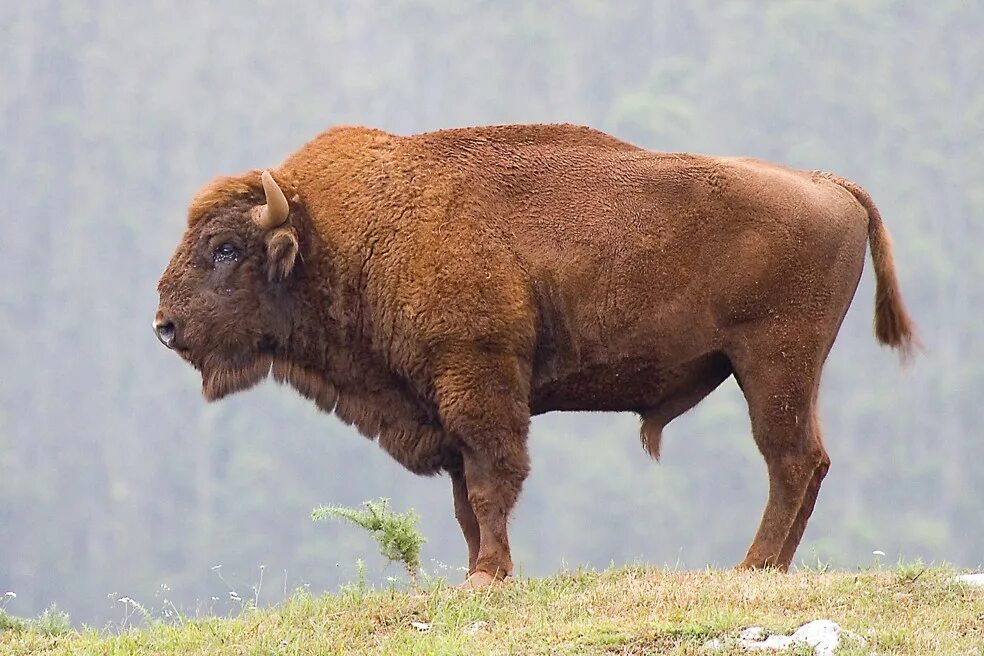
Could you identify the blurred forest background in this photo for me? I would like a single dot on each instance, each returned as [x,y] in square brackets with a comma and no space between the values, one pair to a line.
[115,476]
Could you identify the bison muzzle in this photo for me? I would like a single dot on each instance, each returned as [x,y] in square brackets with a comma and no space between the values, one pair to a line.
[437,290]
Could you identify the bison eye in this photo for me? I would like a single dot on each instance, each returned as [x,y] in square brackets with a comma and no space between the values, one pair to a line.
[225,253]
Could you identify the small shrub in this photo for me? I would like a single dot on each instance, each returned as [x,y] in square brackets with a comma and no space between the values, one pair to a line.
[52,622]
[11,623]
[396,533]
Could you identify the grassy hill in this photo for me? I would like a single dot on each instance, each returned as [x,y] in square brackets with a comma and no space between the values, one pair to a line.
[636,610]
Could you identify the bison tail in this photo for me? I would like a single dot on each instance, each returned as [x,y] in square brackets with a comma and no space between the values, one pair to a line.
[893,326]
[651,435]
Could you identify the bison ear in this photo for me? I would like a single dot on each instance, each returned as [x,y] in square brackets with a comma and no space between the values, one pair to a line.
[282,249]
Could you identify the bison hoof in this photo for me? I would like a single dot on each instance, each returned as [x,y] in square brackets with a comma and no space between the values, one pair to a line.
[768,563]
[479,580]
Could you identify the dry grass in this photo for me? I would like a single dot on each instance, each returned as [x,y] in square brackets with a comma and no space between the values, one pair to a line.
[907,610]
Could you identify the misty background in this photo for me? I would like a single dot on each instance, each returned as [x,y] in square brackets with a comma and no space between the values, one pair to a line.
[116,478]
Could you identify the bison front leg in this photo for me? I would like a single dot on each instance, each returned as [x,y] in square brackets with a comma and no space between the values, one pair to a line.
[484,404]
[494,484]
[465,515]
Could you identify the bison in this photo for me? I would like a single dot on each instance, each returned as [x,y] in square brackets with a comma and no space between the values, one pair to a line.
[437,290]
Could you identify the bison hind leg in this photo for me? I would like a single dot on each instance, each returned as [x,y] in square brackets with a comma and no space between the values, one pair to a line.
[686,387]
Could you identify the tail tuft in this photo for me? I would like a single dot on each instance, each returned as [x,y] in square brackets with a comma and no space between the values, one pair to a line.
[651,435]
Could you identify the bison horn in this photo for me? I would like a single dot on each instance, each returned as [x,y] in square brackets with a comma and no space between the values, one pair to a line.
[274,213]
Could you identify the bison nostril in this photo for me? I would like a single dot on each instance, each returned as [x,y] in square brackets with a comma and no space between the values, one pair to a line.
[165,332]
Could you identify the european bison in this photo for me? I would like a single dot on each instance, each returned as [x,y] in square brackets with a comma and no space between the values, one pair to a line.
[437,290]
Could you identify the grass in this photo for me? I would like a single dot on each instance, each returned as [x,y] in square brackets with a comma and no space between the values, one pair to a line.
[635,610]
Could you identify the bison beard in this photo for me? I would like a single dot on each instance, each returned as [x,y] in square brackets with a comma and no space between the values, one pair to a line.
[439,289]
[221,379]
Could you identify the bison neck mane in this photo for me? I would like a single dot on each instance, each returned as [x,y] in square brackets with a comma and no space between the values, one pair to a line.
[384,410]
[331,360]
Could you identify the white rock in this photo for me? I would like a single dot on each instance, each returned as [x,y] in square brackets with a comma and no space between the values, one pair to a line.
[421,626]
[752,633]
[822,635]
[972,579]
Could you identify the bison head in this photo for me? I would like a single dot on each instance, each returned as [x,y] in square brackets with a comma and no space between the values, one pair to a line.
[224,297]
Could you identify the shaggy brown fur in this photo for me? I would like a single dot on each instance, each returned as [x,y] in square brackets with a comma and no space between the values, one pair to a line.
[437,290]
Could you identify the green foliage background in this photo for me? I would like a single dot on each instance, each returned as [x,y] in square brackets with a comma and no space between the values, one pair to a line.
[116,477]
